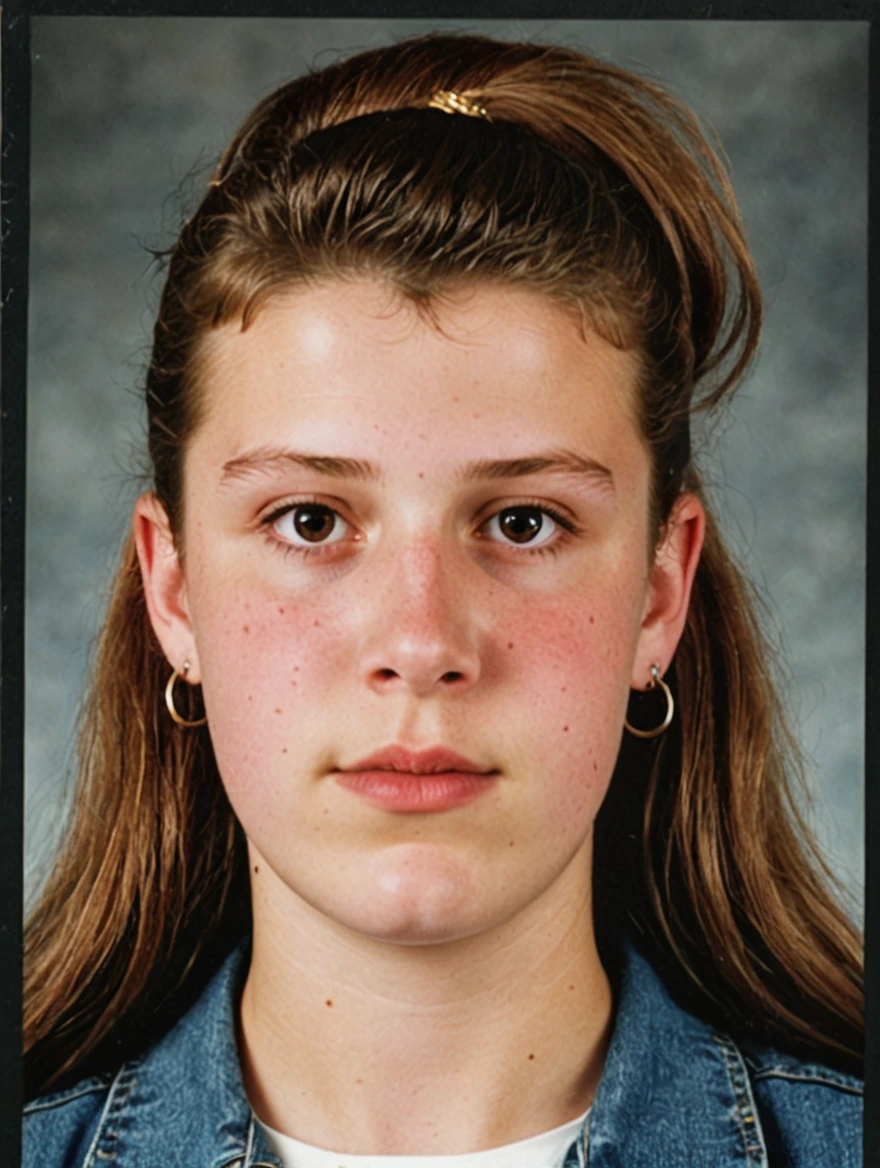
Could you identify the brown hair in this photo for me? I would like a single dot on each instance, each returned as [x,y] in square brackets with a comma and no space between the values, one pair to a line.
[597,188]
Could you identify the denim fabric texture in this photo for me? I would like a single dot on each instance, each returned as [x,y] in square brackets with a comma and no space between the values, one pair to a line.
[674,1093]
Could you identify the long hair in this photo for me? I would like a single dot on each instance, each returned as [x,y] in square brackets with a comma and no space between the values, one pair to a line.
[597,189]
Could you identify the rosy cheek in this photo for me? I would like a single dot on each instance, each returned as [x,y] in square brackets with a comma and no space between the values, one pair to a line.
[267,668]
[570,668]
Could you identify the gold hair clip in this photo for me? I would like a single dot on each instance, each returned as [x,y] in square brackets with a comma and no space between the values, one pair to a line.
[457,103]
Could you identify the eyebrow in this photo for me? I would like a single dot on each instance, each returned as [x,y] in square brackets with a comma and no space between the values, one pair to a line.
[557,461]
[267,459]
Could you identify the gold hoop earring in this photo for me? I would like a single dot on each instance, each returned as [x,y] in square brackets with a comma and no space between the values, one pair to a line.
[169,699]
[656,679]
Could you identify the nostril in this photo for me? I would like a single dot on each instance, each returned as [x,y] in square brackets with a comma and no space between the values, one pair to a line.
[386,674]
[452,675]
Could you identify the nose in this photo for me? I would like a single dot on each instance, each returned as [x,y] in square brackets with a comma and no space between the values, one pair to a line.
[423,634]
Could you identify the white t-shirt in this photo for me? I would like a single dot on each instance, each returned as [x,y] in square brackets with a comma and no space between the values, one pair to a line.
[546,1150]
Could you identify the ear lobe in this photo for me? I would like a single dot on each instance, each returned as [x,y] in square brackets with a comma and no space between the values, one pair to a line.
[669,588]
[164,584]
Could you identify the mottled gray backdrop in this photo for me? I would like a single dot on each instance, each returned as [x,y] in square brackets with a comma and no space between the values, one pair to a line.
[128,115]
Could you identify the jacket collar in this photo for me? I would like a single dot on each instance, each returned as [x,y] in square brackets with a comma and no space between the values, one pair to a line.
[673,1090]
[670,1086]
[184,1102]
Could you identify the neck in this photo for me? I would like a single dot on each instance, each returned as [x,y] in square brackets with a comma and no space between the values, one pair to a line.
[366,1046]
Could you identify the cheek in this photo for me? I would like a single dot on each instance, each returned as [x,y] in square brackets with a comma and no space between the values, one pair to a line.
[267,670]
[570,671]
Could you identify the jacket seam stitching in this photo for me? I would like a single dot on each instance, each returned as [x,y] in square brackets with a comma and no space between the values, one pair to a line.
[64,1097]
[247,1160]
[746,1111]
[117,1097]
[807,1077]
[249,1146]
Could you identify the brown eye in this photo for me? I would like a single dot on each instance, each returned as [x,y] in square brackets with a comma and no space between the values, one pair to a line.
[313,523]
[523,525]
[310,523]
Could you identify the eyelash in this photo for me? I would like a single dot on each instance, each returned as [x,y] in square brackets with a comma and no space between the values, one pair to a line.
[568,529]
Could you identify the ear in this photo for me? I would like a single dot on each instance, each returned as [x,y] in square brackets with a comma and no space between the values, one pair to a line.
[164,585]
[669,588]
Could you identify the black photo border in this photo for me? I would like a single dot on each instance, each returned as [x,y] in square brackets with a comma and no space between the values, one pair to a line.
[14,235]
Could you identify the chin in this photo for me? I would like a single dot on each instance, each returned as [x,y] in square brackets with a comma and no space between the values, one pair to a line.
[417,897]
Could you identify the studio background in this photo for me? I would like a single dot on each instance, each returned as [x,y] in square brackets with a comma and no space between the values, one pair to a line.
[128,117]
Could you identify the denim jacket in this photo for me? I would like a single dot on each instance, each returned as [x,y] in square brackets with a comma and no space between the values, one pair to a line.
[674,1093]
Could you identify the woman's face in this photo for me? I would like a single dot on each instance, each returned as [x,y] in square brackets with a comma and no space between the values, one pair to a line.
[418,534]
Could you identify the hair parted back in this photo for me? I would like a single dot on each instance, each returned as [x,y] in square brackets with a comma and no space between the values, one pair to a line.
[597,188]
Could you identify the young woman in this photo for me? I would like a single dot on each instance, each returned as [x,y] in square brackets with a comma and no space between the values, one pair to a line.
[434,801]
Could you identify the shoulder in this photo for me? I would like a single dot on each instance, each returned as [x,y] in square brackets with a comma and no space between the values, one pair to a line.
[59,1127]
[159,1108]
[677,1089]
[810,1113]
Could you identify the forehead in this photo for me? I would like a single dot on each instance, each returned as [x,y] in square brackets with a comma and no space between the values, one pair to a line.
[359,357]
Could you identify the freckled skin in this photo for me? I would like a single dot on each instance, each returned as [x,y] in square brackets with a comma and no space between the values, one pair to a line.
[402,633]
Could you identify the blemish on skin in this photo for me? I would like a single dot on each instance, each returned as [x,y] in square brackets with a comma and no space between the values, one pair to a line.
[250,697]
[317,624]
[564,688]
[510,845]
[421,474]
[571,987]
[278,711]
[510,644]
[281,612]
[329,1002]
[531,1056]
[565,728]
[245,628]
[256,868]
[284,750]
[592,620]
[595,765]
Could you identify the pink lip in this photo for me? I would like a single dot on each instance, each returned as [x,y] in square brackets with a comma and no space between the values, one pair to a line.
[397,779]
